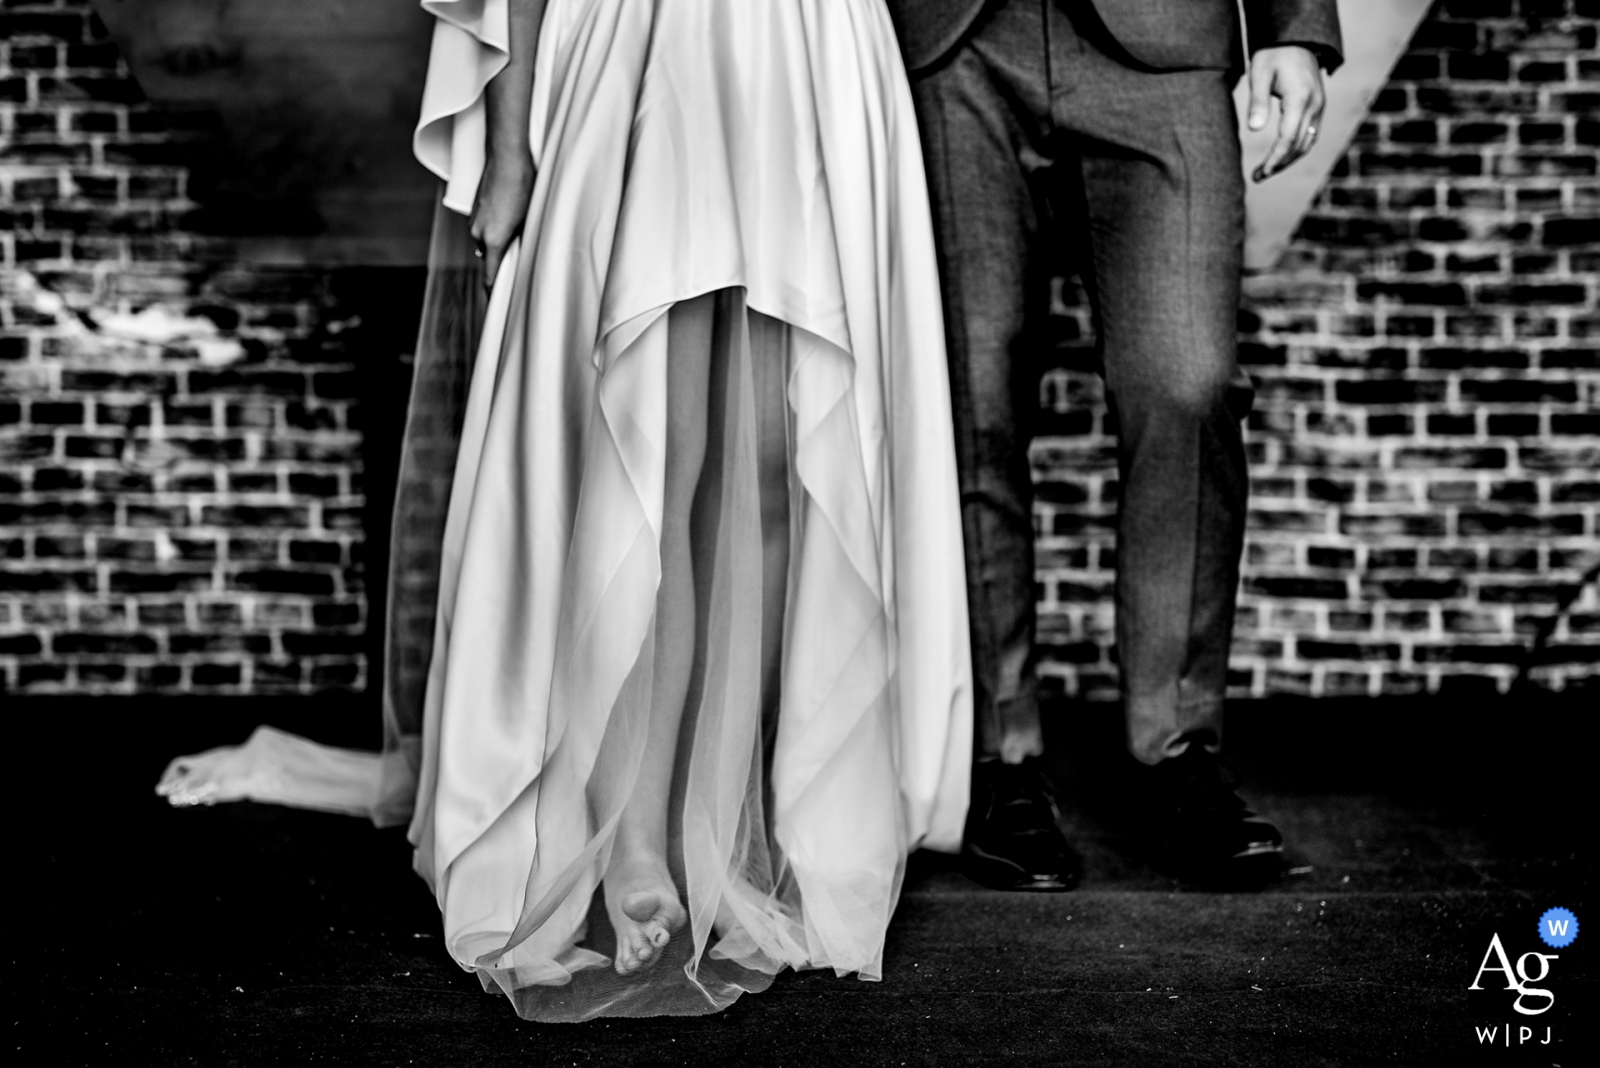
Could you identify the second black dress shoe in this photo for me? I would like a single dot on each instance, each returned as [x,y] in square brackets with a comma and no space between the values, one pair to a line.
[1013,839]
[1196,825]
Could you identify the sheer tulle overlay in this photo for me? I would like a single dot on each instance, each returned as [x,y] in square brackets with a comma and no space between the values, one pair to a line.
[749,169]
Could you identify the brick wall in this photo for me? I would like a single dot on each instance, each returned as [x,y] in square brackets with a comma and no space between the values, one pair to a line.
[1424,443]
[1426,436]
[180,490]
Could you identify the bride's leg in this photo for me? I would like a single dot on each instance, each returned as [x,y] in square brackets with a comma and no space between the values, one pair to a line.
[640,896]
[771,380]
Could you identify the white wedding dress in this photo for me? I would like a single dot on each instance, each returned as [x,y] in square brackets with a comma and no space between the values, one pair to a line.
[763,152]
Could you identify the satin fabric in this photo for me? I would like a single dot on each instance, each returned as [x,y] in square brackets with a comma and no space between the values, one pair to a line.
[763,153]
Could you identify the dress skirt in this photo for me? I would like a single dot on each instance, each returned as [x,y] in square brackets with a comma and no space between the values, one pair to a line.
[762,155]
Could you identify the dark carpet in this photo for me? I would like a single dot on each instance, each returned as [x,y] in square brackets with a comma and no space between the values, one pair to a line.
[253,935]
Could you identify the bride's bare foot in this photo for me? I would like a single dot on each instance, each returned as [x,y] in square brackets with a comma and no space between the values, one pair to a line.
[644,908]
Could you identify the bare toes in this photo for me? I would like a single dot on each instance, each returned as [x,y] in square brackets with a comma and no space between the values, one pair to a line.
[632,956]
[644,911]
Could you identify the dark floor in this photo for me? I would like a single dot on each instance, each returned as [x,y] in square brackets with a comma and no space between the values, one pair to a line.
[252,935]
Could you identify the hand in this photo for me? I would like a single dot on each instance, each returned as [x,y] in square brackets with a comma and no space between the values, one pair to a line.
[501,207]
[1290,73]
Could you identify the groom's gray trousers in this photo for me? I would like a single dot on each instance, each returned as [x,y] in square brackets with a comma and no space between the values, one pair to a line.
[1048,149]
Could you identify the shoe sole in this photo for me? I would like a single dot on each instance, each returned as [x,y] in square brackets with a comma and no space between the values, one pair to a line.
[998,873]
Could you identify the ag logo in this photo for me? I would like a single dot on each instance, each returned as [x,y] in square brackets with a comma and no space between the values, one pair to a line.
[1514,988]
[1495,960]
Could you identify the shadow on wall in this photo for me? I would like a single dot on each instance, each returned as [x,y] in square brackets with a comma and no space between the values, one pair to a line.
[296,120]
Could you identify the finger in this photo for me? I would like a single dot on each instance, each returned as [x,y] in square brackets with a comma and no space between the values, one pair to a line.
[1313,125]
[1316,100]
[1291,123]
[475,236]
[479,258]
[490,267]
[1306,137]
[1260,108]
[1297,148]
[1272,162]
[492,255]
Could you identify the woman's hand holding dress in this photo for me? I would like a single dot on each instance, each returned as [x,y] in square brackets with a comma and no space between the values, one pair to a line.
[501,207]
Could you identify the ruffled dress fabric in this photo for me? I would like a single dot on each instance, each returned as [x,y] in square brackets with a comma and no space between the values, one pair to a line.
[760,154]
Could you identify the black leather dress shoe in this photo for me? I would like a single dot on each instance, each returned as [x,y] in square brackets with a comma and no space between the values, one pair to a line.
[1013,841]
[1198,827]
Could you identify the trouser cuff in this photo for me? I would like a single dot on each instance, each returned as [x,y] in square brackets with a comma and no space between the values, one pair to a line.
[1011,732]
